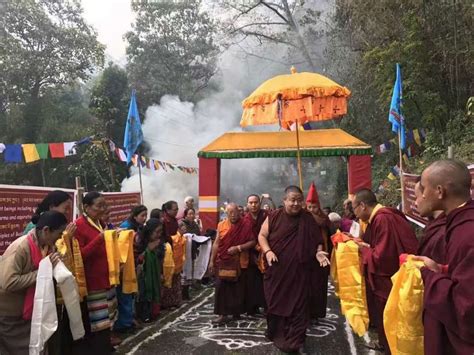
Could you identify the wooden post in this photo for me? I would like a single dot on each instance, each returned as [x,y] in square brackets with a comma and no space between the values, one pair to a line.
[80,193]
[111,168]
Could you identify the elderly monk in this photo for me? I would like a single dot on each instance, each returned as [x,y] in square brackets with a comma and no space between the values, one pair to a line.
[319,280]
[229,259]
[254,297]
[432,243]
[289,239]
[388,235]
[448,317]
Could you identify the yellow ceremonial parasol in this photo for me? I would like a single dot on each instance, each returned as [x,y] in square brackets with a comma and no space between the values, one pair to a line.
[295,99]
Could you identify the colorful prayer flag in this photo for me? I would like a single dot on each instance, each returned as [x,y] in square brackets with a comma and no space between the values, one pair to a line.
[405,158]
[121,154]
[12,153]
[30,153]
[416,136]
[133,129]
[56,150]
[70,148]
[391,176]
[2,148]
[43,150]
[395,115]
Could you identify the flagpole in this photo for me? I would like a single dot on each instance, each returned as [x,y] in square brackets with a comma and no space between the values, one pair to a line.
[400,154]
[140,177]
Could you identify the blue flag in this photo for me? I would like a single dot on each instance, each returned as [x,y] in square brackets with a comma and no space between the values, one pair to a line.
[395,116]
[133,130]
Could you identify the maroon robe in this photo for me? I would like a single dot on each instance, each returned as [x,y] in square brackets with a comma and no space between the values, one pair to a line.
[449,297]
[433,244]
[389,234]
[254,296]
[319,279]
[230,296]
[294,240]
[170,226]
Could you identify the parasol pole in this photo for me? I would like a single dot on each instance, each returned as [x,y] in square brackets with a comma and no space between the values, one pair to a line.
[298,155]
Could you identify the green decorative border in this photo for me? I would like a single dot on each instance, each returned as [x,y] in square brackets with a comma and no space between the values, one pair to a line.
[305,153]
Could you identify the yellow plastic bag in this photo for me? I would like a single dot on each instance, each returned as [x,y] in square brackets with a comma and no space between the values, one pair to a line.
[351,286]
[402,317]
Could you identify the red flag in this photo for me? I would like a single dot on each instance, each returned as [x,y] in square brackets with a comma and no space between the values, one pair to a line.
[56,150]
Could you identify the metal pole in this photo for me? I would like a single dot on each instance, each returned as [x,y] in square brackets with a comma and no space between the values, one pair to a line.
[401,170]
[80,193]
[140,176]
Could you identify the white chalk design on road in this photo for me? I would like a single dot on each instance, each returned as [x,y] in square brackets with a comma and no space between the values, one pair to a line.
[245,333]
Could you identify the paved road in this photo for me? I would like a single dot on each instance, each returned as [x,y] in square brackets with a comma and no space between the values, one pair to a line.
[188,330]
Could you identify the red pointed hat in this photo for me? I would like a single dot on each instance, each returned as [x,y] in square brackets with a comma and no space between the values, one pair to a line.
[312,195]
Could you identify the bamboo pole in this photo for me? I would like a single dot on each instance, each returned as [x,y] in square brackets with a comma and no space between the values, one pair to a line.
[400,153]
[140,177]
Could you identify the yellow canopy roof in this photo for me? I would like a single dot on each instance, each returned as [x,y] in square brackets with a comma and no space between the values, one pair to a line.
[322,142]
[295,86]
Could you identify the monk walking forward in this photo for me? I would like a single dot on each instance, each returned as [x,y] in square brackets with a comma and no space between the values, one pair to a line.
[289,239]
[229,259]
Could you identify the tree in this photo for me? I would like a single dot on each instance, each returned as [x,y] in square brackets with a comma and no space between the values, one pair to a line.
[171,50]
[292,24]
[109,102]
[43,44]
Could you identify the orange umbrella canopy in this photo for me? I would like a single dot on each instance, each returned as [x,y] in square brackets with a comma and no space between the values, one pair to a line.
[303,97]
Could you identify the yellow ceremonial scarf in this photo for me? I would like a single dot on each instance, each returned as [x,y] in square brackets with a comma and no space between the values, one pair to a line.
[350,286]
[374,212]
[119,248]
[68,247]
[402,317]
[168,266]
[179,252]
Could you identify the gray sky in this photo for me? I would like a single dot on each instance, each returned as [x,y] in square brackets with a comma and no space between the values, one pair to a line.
[111,19]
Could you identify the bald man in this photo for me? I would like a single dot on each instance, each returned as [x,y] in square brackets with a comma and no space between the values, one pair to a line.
[448,317]
[388,235]
[432,242]
[289,239]
[229,259]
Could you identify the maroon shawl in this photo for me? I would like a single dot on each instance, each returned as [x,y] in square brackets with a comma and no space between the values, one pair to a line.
[171,225]
[238,234]
[389,235]
[257,222]
[448,297]
[294,240]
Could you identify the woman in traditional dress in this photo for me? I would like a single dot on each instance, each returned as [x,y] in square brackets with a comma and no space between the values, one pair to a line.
[125,321]
[170,210]
[190,221]
[149,266]
[100,303]
[18,270]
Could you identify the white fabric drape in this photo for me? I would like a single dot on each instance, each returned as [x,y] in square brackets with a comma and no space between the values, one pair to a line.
[44,320]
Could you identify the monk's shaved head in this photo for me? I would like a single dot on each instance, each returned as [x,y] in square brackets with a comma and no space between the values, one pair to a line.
[233,212]
[294,189]
[451,174]
[366,196]
[232,206]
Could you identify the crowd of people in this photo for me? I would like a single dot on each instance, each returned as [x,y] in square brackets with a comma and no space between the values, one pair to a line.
[264,260]
[159,254]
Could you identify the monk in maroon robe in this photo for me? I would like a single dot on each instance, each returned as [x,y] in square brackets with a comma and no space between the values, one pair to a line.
[230,253]
[432,243]
[319,280]
[448,316]
[254,297]
[289,238]
[388,235]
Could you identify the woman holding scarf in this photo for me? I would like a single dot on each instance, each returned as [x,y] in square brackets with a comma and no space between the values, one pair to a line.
[99,308]
[18,270]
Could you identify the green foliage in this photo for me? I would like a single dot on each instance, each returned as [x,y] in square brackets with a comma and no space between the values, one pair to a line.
[171,50]
[109,102]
